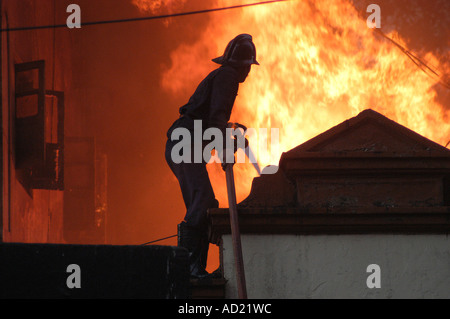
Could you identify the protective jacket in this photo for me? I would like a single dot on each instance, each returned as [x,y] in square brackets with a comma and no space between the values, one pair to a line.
[211,102]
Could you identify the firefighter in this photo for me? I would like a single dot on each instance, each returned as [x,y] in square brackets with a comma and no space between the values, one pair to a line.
[211,103]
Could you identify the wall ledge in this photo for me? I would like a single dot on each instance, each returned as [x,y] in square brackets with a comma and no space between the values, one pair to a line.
[348,220]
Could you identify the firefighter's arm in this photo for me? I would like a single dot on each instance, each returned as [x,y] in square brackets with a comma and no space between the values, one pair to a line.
[223,95]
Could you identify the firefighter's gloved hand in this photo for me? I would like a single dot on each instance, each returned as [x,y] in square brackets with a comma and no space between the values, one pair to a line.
[238,136]
[239,144]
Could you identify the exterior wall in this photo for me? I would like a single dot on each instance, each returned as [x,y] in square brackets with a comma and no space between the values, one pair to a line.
[30,215]
[378,191]
[335,266]
[34,214]
[375,188]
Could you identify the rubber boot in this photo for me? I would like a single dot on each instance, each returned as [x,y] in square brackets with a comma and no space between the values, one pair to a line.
[205,248]
[194,241]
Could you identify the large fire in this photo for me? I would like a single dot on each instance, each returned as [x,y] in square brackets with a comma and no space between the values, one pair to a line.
[320,65]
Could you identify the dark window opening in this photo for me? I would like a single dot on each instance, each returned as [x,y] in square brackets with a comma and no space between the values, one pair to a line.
[39,129]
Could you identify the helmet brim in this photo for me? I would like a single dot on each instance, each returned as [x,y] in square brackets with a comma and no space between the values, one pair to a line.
[219,60]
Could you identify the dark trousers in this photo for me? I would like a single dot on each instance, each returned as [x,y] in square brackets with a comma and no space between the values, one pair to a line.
[198,194]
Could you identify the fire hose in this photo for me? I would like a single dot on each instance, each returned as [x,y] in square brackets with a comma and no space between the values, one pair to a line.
[235,234]
[234,219]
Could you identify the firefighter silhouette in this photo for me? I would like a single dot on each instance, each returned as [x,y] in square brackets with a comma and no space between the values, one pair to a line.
[211,103]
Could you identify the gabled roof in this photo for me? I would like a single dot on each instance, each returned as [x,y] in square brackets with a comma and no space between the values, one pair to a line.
[369,133]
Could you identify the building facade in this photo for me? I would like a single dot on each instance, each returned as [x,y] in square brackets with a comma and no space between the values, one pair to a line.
[360,211]
[53,177]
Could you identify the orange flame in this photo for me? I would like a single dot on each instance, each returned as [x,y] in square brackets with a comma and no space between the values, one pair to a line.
[320,65]
[155,6]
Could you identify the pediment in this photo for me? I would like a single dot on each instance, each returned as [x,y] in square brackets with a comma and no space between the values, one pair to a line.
[370,132]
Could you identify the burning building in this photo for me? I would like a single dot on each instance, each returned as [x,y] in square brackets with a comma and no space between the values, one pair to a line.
[85,111]
[54,173]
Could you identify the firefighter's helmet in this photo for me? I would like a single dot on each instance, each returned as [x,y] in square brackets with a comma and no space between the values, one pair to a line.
[240,51]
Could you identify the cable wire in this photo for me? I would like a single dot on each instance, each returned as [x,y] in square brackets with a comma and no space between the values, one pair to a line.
[417,61]
[142,18]
[154,241]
